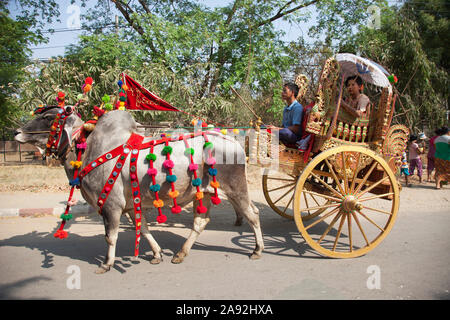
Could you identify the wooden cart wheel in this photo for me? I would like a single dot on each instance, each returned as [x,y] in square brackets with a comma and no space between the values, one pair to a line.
[356,220]
[279,187]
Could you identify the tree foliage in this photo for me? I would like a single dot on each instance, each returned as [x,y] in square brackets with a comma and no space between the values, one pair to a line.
[407,45]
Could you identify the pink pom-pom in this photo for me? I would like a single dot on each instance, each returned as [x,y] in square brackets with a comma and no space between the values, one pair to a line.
[161,218]
[215,200]
[201,209]
[211,161]
[133,176]
[82,145]
[193,167]
[152,172]
[176,209]
[168,164]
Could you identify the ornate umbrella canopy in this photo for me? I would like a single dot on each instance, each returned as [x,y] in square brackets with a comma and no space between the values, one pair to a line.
[368,70]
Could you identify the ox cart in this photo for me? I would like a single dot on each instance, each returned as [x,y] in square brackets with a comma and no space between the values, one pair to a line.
[343,193]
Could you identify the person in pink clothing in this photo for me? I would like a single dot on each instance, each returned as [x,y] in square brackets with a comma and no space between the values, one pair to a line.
[414,157]
[430,155]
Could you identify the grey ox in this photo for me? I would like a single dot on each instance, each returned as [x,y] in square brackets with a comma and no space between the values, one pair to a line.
[113,129]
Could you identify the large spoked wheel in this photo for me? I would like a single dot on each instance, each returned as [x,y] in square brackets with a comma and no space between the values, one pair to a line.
[279,188]
[358,216]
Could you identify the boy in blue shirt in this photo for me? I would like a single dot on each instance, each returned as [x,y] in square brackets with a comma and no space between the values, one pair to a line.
[292,115]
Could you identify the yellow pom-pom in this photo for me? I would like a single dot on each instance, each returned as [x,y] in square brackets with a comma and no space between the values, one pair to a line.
[236,131]
[121,108]
[199,195]
[223,131]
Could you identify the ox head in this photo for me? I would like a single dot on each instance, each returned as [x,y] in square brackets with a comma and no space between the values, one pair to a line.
[36,131]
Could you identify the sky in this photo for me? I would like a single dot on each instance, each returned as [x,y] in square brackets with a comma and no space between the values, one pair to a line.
[67,32]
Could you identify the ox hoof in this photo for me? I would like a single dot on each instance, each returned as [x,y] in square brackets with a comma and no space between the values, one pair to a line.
[102,269]
[155,261]
[179,257]
[255,256]
[238,222]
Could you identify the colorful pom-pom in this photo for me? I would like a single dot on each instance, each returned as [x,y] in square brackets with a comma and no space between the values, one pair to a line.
[176,209]
[208,145]
[204,125]
[108,106]
[171,178]
[106,98]
[215,184]
[236,131]
[201,209]
[193,167]
[66,217]
[125,87]
[158,203]
[89,80]
[87,88]
[173,194]
[60,234]
[199,195]
[212,171]
[223,131]
[211,161]
[161,218]
[76,164]
[197,182]
[167,150]
[82,145]
[155,187]
[152,172]
[168,164]
[215,200]
[189,151]
[74,182]
[120,83]
[151,156]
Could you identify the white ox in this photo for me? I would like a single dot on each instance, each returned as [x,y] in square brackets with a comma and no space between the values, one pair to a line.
[114,129]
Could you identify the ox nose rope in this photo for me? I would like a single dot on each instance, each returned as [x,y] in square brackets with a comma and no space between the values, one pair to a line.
[132,147]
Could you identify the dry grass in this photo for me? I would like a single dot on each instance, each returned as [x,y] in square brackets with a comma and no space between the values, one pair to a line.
[35,178]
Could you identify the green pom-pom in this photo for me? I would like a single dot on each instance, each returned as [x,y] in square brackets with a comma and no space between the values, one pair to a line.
[106,98]
[122,98]
[66,217]
[151,156]
[167,150]
[208,145]
[189,151]
[108,106]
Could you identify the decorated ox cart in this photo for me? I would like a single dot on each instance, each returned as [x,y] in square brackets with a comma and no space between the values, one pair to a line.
[342,191]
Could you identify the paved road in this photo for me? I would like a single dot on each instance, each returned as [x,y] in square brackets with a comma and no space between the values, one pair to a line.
[412,262]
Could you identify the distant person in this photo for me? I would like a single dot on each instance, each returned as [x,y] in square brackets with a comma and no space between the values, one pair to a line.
[442,157]
[292,115]
[414,157]
[430,154]
[404,167]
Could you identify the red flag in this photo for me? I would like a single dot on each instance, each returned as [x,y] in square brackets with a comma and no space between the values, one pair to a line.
[139,98]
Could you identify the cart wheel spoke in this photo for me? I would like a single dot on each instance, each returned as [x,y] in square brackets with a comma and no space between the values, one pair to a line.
[338,232]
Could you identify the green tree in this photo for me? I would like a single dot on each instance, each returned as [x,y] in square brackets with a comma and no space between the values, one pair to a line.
[408,47]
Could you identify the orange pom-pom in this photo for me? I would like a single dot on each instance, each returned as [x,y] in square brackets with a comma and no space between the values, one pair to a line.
[158,203]
[215,184]
[199,195]
[87,88]
[125,87]
[173,194]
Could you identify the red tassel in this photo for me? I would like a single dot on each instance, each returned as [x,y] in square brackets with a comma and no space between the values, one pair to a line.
[215,200]
[176,209]
[161,218]
[201,209]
